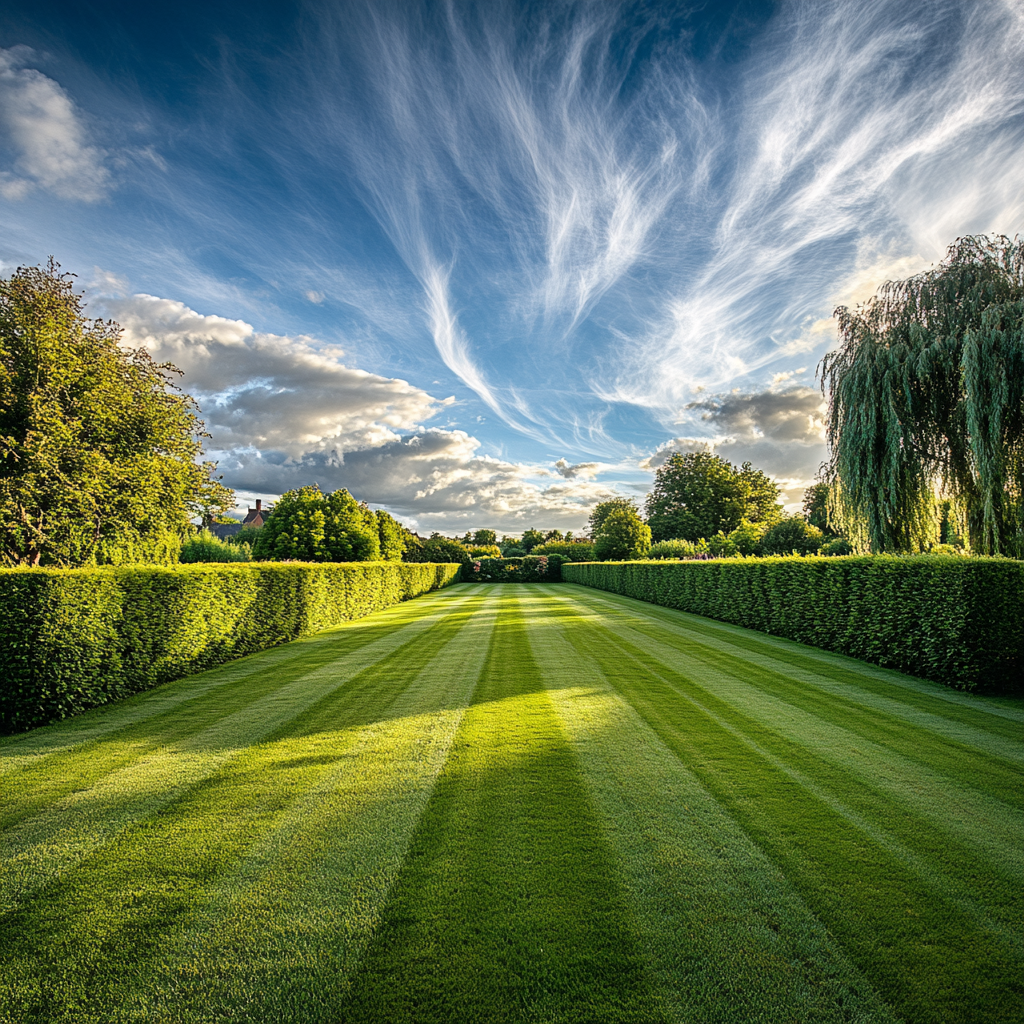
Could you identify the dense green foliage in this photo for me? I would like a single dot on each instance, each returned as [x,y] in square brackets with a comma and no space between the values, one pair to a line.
[485,551]
[519,803]
[792,535]
[75,638]
[623,534]
[308,526]
[815,508]
[439,549]
[956,620]
[926,395]
[531,569]
[571,551]
[530,539]
[391,537]
[700,494]
[97,448]
[207,547]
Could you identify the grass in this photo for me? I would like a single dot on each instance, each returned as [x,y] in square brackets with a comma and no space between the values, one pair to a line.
[524,803]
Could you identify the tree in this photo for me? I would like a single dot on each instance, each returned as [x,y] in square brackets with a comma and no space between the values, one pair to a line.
[601,512]
[700,494]
[440,549]
[391,535]
[926,397]
[792,534]
[553,535]
[816,507]
[98,447]
[530,540]
[484,538]
[309,527]
[622,535]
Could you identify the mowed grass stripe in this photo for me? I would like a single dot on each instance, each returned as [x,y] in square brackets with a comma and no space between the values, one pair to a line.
[727,938]
[965,822]
[928,957]
[509,907]
[992,716]
[43,846]
[68,953]
[280,934]
[995,763]
[178,702]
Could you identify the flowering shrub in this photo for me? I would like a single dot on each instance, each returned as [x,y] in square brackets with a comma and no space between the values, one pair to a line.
[530,569]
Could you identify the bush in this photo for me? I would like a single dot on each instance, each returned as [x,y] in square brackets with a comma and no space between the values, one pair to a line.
[485,551]
[531,569]
[571,551]
[839,546]
[514,552]
[621,534]
[206,547]
[72,639]
[664,549]
[956,620]
[792,536]
[439,549]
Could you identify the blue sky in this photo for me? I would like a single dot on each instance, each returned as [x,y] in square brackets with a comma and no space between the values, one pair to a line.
[487,264]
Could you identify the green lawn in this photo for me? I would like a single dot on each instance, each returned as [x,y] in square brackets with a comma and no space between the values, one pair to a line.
[520,803]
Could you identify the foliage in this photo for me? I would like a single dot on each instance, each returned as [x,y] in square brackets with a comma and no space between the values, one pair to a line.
[815,508]
[553,536]
[480,539]
[721,546]
[571,551]
[246,535]
[72,639]
[512,551]
[530,539]
[926,395]
[792,535]
[621,534]
[601,512]
[956,620]
[531,569]
[699,494]
[308,526]
[746,538]
[666,549]
[391,537]
[441,550]
[98,448]
[207,547]
[485,551]
[836,546]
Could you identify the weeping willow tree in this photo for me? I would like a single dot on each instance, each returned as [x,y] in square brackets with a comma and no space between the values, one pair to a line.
[926,399]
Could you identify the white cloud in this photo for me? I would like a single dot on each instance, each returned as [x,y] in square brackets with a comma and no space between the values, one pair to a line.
[46,132]
[269,390]
[580,471]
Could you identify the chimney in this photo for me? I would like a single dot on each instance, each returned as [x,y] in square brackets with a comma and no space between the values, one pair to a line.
[259,505]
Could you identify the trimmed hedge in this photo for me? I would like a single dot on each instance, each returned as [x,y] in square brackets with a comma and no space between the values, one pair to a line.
[529,569]
[956,620]
[72,639]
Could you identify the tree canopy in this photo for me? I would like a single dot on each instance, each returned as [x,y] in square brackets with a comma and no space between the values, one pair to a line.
[619,533]
[699,494]
[312,527]
[98,447]
[926,398]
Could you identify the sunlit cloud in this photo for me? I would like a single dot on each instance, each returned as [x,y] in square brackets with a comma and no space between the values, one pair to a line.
[45,136]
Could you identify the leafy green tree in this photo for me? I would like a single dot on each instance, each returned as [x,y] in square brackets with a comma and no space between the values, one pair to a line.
[622,535]
[309,527]
[792,534]
[553,536]
[98,448]
[391,536]
[816,507]
[484,538]
[746,538]
[926,396]
[441,549]
[603,510]
[699,494]
[530,539]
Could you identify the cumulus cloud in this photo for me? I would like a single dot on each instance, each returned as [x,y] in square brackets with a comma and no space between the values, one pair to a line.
[269,390]
[794,415]
[284,412]
[46,135]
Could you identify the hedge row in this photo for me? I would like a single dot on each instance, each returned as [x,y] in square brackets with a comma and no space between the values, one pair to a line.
[956,620]
[531,569]
[72,639]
